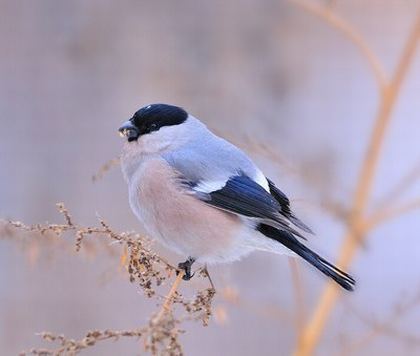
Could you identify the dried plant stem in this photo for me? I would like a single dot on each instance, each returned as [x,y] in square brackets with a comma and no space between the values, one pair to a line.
[106,167]
[338,23]
[355,233]
[387,214]
[298,295]
[73,346]
[207,274]
[386,326]
[405,183]
[166,307]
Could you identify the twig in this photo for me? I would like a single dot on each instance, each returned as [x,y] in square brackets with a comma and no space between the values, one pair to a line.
[298,295]
[387,326]
[340,24]
[166,307]
[207,274]
[401,187]
[388,213]
[72,347]
[105,168]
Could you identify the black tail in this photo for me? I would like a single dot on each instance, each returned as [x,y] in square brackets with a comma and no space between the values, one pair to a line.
[288,240]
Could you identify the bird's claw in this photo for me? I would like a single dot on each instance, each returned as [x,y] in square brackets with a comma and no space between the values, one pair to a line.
[186,267]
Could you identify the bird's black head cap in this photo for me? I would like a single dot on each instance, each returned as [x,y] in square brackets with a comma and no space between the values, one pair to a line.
[153,117]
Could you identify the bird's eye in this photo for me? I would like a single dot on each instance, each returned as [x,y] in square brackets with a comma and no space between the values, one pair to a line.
[153,127]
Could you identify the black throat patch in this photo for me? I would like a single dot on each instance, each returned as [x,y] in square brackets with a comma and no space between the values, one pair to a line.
[152,117]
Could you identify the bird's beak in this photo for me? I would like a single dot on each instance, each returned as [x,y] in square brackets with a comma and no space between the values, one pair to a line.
[130,131]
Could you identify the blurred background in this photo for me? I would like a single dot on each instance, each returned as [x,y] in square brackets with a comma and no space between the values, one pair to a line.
[254,71]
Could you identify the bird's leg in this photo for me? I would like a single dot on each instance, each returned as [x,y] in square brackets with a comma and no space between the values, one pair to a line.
[207,274]
[186,266]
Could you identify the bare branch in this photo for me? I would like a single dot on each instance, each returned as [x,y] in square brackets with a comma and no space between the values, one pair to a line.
[298,295]
[166,307]
[326,13]
[401,186]
[105,168]
[388,213]
[72,347]
[386,327]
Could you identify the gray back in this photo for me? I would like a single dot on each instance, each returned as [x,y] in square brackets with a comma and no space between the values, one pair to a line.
[207,157]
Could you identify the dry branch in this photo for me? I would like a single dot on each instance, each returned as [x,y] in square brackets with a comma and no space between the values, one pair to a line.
[300,312]
[326,13]
[401,186]
[389,213]
[105,168]
[386,326]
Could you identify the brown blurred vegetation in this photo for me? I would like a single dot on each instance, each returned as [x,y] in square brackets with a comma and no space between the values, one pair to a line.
[311,89]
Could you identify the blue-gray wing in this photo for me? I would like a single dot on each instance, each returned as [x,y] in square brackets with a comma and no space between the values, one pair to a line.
[223,176]
[210,159]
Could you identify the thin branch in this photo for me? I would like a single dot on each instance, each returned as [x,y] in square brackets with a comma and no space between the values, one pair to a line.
[388,326]
[206,273]
[401,186]
[166,307]
[232,297]
[389,213]
[298,295]
[325,13]
[72,346]
[105,168]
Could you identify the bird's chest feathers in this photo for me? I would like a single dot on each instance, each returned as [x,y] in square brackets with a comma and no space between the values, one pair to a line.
[155,196]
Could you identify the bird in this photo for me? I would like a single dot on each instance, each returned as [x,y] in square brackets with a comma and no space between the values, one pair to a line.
[204,198]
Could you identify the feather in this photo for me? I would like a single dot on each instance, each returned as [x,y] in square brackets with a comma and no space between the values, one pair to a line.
[286,211]
[288,240]
[243,196]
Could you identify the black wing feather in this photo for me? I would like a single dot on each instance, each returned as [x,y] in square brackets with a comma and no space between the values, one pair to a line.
[288,240]
[281,198]
[286,211]
[241,195]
